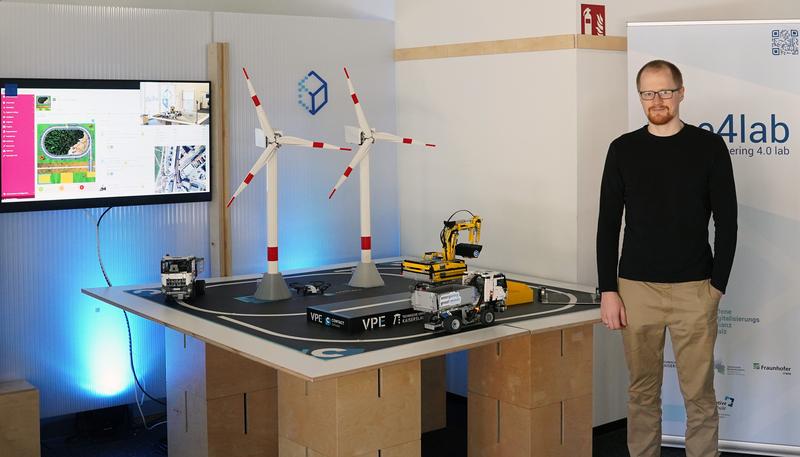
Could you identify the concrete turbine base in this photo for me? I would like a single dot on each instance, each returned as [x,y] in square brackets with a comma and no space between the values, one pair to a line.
[366,276]
[272,288]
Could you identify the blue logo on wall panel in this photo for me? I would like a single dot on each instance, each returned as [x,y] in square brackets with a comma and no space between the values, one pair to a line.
[312,92]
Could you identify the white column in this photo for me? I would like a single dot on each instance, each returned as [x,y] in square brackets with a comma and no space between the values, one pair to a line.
[366,237]
[272,214]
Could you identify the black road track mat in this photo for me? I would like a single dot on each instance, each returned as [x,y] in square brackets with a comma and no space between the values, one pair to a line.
[285,322]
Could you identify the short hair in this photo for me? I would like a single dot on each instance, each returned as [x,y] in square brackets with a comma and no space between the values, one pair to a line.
[661,65]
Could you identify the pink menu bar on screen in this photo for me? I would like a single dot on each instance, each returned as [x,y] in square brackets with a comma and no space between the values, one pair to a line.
[17,147]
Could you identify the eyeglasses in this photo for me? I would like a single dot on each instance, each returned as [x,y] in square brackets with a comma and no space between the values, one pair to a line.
[664,94]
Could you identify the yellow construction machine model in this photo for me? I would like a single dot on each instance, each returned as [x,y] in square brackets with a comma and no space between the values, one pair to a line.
[443,266]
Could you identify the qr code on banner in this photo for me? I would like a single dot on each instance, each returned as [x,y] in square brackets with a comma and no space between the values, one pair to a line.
[785,42]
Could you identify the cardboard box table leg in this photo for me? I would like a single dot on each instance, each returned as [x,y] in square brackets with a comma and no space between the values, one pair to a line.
[532,395]
[19,419]
[219,403]
[353,415]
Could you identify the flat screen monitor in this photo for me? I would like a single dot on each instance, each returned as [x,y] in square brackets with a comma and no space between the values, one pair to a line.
[91,143]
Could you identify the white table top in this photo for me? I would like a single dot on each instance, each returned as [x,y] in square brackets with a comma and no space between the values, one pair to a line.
[314,369]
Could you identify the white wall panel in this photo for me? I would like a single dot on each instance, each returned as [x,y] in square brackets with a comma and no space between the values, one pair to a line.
[602,87]
[505,126]
[60,41]
[278,52]
[73,348]
[360,9]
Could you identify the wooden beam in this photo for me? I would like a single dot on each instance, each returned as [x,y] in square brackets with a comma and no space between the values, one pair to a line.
[219,216]
[529,44]
[603,43]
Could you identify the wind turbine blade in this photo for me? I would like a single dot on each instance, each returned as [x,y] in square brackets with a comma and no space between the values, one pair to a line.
[362,119]
[262,115]
[262,160]
[360,154]
[292,140]
[383,136]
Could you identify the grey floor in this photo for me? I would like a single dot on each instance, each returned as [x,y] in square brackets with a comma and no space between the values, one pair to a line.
[612,444]
[132,441]
[452,441]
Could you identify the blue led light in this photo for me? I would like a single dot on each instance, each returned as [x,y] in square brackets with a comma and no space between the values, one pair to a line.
[100,336]
[104,350]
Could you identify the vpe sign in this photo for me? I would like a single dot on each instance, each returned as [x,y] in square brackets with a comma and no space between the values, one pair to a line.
[312,92]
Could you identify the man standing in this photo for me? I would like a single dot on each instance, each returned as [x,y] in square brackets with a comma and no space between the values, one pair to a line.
[669,177]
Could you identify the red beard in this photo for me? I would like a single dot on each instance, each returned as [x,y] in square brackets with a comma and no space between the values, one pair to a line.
[661,116]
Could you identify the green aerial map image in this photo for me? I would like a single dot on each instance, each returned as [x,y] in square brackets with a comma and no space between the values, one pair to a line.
[65,153]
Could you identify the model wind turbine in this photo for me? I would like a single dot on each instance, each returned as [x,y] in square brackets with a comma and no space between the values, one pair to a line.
[366,274]
[272,286]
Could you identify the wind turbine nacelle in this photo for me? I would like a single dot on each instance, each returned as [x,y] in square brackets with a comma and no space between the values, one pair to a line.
[352,135]
[261,138]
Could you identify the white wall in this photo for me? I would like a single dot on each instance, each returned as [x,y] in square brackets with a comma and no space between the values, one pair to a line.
[422,23]
[357,9]
[503,153]
[602,88]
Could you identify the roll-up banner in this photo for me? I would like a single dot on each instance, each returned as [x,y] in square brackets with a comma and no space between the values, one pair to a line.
[742,81]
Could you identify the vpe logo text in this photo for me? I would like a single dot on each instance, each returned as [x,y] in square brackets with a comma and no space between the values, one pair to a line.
[312,92]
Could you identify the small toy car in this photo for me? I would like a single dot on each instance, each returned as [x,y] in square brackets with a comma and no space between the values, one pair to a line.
[311,288]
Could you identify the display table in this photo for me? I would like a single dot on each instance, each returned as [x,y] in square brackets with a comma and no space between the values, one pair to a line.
[248,378]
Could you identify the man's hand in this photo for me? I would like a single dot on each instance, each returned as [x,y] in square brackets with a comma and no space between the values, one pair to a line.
[612,311]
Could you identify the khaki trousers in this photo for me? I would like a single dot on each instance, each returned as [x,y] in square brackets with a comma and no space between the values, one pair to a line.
[689,311]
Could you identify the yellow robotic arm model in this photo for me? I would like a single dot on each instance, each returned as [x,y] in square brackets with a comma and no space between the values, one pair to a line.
[442,266]
[449,237]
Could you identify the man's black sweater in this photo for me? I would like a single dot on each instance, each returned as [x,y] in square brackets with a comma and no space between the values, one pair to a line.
[668,187]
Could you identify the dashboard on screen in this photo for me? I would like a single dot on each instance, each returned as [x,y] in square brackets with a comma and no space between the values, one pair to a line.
[89,143]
